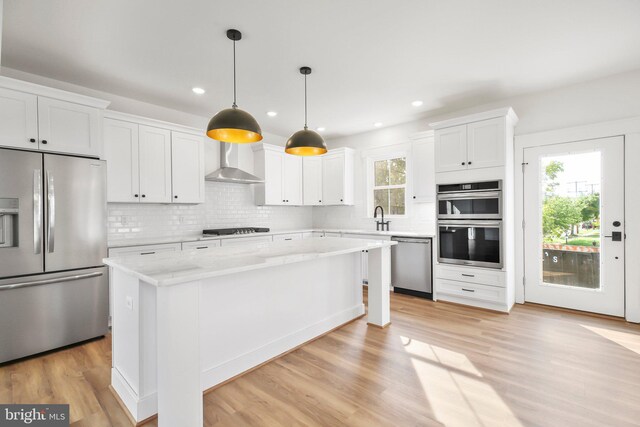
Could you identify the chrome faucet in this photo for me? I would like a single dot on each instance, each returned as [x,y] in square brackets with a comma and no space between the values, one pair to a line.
[382,223]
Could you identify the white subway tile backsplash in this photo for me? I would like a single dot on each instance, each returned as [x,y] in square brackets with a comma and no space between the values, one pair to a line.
[226,205]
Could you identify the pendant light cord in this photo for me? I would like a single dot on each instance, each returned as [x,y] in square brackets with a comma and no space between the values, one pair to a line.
[305,102]
[234,75]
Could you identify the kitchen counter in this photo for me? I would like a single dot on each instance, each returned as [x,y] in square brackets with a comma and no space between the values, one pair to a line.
[155,241]
[184,322]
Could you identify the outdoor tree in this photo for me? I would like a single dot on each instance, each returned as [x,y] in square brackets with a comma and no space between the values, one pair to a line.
[559,215]
[589,207]
[551,172]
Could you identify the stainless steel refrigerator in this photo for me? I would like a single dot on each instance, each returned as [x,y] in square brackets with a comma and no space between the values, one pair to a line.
[54,289]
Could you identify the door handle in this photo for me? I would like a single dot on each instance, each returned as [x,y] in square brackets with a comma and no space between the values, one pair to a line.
[51,209]
[616,236]
[37,211]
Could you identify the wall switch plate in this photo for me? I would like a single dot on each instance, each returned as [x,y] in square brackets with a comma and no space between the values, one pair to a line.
[129,303]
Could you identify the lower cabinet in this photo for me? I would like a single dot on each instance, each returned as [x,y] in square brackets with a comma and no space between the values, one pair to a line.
[289,236]
[235,241]
[480,287]
[144,250]
[200,245]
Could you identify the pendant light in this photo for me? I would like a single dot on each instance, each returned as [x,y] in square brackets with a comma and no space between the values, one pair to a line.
[233,124]
[305,142]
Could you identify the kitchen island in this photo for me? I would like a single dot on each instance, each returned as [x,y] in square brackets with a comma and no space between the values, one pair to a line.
[186,322]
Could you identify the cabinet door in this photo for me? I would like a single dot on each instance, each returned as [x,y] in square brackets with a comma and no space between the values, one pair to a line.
[155,165]
[65,127]
[312,180]
[333,180]
[486,143]
[292,179]
[423,171]
[187,168]
[451,148]
[273,167]
[121,154]
[19,118]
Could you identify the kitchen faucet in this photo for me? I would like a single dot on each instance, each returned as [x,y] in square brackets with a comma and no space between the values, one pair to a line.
[382,221]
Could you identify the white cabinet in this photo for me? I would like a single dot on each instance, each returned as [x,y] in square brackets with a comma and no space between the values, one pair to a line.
[66,127]
[149,164]
[423,170]
[338,177]
[475,145]
[200,245]
[41,123]
[187,168]
[292,179]
[288,236]
[121,152]
[155,164]
[144,250]
[246,240]
[312,180]
[18,119]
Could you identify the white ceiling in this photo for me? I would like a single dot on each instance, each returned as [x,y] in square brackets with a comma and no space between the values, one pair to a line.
[370,58]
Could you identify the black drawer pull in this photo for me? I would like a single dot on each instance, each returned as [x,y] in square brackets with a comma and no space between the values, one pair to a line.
[32,140]
[468,290]
[468,275]
[44,141]
[147,253]
[289,238]
[202,247]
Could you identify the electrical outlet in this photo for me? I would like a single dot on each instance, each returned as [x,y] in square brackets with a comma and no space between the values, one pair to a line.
[129,303]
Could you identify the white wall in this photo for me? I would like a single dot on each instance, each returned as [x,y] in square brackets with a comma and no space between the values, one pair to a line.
[606,99]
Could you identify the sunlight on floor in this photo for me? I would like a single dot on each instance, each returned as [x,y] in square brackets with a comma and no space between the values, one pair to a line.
[455,388]
[625,339]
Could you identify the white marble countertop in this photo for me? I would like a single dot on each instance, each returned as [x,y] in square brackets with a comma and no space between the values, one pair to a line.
[163,240]
[165,269]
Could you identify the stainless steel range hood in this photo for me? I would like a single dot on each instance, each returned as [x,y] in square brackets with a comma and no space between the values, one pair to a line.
[228,171]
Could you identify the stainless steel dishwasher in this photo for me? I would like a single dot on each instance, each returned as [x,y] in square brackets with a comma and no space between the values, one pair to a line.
[411,261]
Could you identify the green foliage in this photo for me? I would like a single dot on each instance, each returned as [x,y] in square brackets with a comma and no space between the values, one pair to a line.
[559,215]
[551,172]
[589,207]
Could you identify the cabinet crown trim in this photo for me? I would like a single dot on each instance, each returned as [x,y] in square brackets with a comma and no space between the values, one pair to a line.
[422,135]
[49,92]
[140,120]
[491,114]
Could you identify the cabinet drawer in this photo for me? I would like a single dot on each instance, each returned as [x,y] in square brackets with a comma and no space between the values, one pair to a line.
[471,291]
[144,250]
[246,240]
[290,236]
[200,245]
[471,275]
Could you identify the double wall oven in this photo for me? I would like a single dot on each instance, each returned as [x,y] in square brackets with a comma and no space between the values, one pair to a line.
[470,224]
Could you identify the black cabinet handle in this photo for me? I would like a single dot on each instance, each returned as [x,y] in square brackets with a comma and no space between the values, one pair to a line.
[320,201]
[136,196]
[144,195]
[468,275]
[44,141]
[463,163]
[469,163]
[147,253]
[468,290]
[32,140]
[414,197]
[341,200]
[175,197]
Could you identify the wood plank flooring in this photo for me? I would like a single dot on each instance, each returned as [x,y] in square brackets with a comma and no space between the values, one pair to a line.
[437,364]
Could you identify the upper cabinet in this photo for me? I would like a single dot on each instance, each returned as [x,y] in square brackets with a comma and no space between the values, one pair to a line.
[476,145]
[423,167]
[310,181]
[187,168]
[39,118]
[152,164]
[338,177]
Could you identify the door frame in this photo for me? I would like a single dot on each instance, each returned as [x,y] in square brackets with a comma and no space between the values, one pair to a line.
[630,130]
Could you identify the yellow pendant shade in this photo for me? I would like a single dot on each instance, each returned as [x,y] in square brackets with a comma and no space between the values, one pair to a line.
[306,151]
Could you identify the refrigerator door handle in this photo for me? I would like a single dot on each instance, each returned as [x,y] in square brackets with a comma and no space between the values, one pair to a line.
[49,281]
[51,209]
[37,211]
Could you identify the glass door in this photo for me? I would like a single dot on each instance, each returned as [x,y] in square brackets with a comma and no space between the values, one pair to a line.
[574,225]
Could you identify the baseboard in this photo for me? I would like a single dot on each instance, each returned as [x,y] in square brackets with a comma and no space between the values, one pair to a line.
[502,308]
[137,409]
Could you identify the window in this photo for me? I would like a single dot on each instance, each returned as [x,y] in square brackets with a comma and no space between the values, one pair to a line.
[389,184]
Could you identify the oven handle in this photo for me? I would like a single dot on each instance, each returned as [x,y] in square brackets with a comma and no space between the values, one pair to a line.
[472,223]
[477,195]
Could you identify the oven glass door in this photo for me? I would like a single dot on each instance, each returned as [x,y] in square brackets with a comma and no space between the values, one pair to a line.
[477,243]
[470,205]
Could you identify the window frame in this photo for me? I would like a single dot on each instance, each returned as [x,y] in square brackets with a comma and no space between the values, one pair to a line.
[370,180]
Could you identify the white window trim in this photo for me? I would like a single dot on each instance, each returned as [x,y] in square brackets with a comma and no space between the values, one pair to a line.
[393,153]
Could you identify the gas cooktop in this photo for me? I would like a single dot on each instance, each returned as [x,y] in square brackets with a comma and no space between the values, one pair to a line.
[239,230]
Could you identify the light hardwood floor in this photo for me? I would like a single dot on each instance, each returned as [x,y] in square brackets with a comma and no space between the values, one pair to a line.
[437,364]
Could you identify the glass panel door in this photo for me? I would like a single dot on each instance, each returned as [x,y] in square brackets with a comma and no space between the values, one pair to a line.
[574,233]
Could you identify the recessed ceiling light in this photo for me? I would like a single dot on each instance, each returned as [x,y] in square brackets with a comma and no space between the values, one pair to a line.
[272,113]
[198,90]
[377,124]
[320,129]
[416,103]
